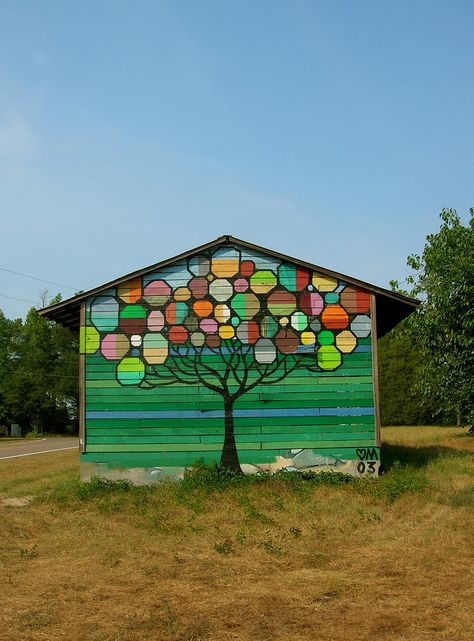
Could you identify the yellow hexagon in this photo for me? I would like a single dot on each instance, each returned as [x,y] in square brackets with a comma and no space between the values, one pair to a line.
[182,293]
[226,331]
[308,338]
[324,283]
[346,342]
[89,340]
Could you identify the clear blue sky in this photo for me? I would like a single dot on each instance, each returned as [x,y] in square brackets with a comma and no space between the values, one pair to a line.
[332,131]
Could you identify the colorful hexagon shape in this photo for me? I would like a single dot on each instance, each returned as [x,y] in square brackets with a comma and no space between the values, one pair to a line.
[281,303]
[246,305]
[361,326]
[324,283]
[329,357]
[335,317]
[155,349]
[220,289]
[263,281]
[130,371]
[157,292]
[133,319]
[346,342]
[104,313]
[292,277]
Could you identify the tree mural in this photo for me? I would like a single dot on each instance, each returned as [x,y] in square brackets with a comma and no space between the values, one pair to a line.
[227,323]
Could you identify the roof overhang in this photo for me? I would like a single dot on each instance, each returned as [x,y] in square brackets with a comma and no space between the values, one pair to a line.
[391,308]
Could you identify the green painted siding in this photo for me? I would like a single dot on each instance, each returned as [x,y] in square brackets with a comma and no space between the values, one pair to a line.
[229,357]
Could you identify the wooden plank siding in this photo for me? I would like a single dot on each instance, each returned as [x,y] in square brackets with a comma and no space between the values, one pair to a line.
[136,422]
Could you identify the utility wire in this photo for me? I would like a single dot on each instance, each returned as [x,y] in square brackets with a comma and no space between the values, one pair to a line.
[42,280]
[24,300]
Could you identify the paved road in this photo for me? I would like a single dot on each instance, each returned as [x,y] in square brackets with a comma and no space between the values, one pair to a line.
[15,449]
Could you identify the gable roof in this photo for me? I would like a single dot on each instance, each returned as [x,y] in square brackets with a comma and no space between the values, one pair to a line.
[391,308]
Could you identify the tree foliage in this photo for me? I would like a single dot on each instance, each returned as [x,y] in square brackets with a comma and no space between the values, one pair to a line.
[443,329]
[399,361]
[38,374]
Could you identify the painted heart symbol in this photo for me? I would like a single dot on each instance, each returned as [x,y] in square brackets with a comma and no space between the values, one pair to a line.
[361,453]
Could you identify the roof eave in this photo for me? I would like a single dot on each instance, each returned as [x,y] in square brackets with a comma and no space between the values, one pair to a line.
[67,312]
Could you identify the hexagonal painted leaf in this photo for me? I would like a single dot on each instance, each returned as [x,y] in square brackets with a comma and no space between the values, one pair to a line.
[287,341]
[361,326]
[131,290]
[324,283]
[130,371]
[225,262]
[226,332]
[281,303]
[199,265]
[293,278]
[157,292]
[155,321]
[155,349]
[114,346]
[346,342]
[220,289]
[199,287]
[308,338]
[241,285]
[246,306]
[268,326]
[265,351]
[176,313]
[335,317]
[299,321]
[328,357]
[248,332]
[311,303]
[222,313]
[263,281]
[178,335]
[198,339]
[326,338]
[208,326]
[104,313]
[355,301]
[89,340]
[133,319]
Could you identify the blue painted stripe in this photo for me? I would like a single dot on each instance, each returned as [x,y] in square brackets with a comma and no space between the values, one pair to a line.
[249,413]
[363,348]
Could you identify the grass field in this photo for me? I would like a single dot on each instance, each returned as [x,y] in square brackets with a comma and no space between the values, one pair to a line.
[217,558]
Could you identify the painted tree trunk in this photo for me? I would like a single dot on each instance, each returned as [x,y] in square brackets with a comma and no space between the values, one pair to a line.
[229,458]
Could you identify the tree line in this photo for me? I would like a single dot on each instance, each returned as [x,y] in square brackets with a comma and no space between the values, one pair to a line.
[426,363]
[39,368]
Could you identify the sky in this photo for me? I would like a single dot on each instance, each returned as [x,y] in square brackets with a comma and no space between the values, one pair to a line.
[332,131]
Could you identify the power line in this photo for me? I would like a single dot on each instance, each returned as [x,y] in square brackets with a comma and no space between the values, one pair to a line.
[24,300]
[42,280]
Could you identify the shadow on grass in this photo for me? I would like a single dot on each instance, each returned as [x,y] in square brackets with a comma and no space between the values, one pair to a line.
[416,456]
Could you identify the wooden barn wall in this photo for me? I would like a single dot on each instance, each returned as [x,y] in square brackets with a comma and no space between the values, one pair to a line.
[230,357]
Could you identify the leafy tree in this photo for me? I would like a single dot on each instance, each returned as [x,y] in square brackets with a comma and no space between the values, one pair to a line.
[10,338]
[399,361]
[443,277]
[38,365]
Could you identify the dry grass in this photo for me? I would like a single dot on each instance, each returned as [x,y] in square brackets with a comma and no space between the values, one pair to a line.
[372,561]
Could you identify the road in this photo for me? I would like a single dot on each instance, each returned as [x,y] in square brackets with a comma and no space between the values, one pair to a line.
[15,449]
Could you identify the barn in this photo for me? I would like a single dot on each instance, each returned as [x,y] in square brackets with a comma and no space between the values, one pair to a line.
[229,353]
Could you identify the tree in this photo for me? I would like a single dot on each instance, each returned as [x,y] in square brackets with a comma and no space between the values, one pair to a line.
[39,373]
[399,361]
[443,277]
[230,331]
[10,339]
